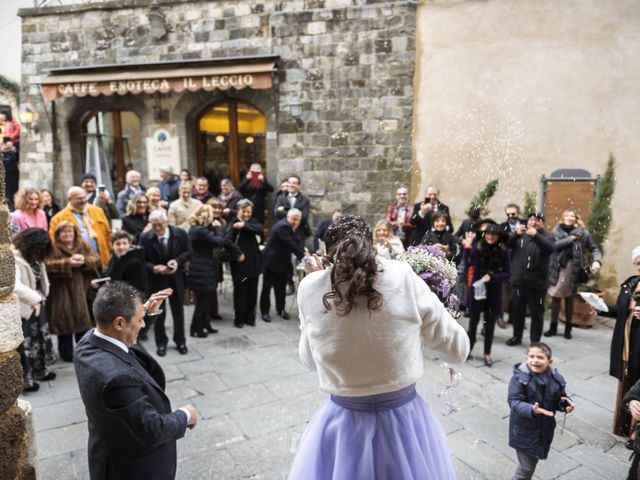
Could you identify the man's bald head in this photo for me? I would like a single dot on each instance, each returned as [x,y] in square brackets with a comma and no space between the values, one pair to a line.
[77,197]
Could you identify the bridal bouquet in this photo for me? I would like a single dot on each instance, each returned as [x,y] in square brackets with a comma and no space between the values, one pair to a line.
[440,274]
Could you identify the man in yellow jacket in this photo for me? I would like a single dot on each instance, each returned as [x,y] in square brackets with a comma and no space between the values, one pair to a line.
[90,221]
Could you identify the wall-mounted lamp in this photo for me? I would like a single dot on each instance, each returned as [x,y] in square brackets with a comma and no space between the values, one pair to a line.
[27,118]
[249,139]
[220,138]
[295,107]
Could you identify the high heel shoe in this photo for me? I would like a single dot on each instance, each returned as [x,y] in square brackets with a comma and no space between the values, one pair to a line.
[488,361]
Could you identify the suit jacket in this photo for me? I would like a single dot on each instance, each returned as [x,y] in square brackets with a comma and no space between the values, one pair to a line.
[302,204]
[179,250]
[282,242]
[132,430]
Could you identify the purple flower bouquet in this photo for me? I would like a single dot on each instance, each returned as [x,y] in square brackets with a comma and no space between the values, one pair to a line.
[439,274]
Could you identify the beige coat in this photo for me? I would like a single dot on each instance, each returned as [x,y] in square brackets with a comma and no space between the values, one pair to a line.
[25,286]
[180,211]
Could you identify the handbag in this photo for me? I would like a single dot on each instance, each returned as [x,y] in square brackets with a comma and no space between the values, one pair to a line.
[584,274]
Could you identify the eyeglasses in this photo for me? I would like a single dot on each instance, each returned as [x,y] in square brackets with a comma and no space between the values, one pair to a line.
[512,214]
[157,225]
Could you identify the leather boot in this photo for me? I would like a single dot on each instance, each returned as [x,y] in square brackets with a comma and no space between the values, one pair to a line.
[553,329]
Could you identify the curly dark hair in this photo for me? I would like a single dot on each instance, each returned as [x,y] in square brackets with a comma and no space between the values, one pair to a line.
[350,246]
[33,243]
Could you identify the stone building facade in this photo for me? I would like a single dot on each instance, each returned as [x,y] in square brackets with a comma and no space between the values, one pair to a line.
[348,64]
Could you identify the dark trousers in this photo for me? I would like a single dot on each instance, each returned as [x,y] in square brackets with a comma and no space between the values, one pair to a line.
[245,298]
[568,312]
[279,283]
[65,344]
[213,304]
[177,312]
[522,297]
[477,308]
[200,319]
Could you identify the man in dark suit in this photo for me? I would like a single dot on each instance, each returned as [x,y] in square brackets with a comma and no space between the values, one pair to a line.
[295,199]
[166,252]
[423,211]
[132,430]
[276,261]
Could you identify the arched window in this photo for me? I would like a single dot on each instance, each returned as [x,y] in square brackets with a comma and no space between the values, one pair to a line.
[231,136]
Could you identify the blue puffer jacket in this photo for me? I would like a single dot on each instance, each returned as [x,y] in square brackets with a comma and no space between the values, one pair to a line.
[529,433]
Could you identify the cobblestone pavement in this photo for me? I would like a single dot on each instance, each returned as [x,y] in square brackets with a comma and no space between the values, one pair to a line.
[254,398]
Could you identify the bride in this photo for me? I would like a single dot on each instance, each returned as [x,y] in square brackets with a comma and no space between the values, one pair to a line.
[363,321]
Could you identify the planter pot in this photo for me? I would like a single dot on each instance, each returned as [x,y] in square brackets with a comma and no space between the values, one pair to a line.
[584,316]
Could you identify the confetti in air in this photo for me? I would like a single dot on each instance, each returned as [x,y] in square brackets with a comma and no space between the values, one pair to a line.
[448,389]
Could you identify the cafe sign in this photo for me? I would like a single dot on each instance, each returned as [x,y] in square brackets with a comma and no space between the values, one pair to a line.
[256,76]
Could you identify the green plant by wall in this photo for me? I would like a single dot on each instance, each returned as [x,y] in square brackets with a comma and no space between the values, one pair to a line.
[530,203]
[481,199]
[600,213]
[13,87]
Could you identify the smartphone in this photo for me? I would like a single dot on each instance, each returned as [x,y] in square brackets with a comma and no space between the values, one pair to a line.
[255,175]
[102,280]
[170,267]
[102,188]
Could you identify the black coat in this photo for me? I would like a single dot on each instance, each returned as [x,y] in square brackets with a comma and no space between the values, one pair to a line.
[282,242]
[321,232]
[530,259]
[257,195]
[432,237]
[232,205]
[246,240]
[302,204]
[529,433]
[579,248]
[134,224]
[179,250]
[132,430]
[424,224]
[621,312]
[203,267]
[129,268]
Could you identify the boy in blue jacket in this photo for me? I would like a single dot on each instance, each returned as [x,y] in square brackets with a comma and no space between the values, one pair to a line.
[536,392]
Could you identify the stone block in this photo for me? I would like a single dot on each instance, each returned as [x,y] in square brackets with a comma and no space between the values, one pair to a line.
[30,469]
[10,379]
[5,235]
[7,269]
[10,324]
[13,442]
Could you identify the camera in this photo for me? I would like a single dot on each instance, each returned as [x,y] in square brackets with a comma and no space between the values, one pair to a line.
[636,298]
[564,403]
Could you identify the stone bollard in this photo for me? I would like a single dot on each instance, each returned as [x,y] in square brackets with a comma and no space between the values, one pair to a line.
[16,459]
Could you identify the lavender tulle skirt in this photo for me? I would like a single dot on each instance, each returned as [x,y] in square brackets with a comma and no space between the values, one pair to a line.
[390,436]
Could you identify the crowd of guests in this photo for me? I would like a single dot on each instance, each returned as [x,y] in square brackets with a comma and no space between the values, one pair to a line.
[516,260]
[175,235]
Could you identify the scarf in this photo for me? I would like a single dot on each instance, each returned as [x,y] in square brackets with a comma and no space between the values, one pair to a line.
[489,258]
[87,220]
[567,253]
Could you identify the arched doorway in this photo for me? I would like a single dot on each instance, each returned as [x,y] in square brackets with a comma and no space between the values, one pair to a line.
[112,145]
[230,137]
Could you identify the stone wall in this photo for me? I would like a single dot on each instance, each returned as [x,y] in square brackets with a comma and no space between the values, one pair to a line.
[17,459]
[350,62]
